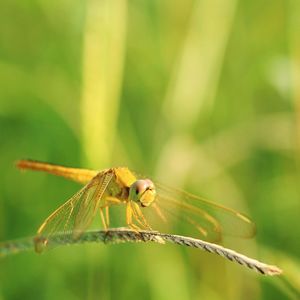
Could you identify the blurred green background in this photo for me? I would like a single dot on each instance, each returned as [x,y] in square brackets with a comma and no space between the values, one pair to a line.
[204,95]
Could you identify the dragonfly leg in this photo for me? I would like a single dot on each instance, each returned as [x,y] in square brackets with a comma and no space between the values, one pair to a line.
[103,219]
[129,222]
[136,216]
[139,216]
[113,200]
[107,215]
[135,228]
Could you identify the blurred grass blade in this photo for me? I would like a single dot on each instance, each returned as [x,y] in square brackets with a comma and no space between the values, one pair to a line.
[294,43]
[195,78]
[103,58]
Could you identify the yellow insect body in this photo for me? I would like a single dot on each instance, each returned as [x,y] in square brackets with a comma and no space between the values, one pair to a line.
[119,186]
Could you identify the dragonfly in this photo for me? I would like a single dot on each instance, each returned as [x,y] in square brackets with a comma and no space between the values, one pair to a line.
[144,202]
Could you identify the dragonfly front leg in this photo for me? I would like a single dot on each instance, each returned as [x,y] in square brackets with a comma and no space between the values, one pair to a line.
[139,216]
[129,222]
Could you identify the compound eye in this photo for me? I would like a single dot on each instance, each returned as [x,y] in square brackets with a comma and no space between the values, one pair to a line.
[143,192]
[150,184]
[140,187]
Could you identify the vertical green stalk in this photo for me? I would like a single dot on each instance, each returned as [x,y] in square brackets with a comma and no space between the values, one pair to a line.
[294,45]
[103,60]
[191,93]
[195,79]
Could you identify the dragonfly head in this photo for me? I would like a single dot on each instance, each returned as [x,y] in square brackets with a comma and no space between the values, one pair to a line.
[143,192]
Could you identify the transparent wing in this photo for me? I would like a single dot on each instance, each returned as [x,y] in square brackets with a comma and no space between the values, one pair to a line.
[193,215]
[73,218]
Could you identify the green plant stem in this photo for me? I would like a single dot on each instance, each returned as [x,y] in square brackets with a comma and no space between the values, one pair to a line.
[123,235]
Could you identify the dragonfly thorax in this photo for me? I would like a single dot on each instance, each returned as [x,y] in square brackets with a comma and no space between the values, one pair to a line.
[143,192]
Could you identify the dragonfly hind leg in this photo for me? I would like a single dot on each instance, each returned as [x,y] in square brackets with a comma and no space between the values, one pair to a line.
[105,217]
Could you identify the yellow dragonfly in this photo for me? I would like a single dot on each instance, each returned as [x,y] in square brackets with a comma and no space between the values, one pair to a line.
[143,201]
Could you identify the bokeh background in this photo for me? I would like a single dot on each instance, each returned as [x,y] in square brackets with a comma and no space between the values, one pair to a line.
[202,94]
